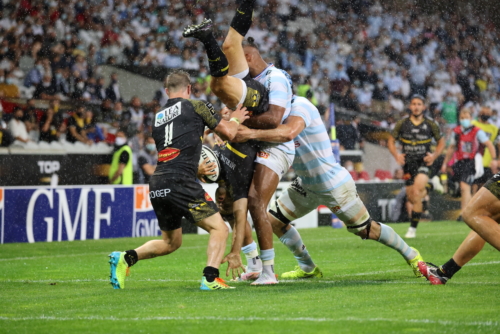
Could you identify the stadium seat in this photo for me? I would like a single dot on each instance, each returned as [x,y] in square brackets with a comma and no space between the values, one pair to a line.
[354,175]
[364,176]
[383,174]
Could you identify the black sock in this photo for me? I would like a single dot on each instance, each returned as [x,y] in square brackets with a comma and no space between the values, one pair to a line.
[217,60]
[450,268]
[131,257]
[210,273]
[425,205]
[242,20]
[415,218]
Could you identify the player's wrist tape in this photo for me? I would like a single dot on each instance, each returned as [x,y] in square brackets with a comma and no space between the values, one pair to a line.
[234,119]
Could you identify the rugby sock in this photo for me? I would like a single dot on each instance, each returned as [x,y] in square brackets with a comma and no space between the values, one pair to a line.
[449,268]
[131,257]
[267,256]
[254,263]
[391,239]
[217,60]
[415,218]
[210,273]
[293,241]
[242,20]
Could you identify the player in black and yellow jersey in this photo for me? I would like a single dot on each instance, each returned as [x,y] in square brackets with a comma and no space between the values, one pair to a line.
[415,133]
[482,214]
[174,192]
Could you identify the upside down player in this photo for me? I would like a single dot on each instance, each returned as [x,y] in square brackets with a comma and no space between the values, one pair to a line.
[482,214]
[416,133]
[274,160]
[321,181]
[174,193]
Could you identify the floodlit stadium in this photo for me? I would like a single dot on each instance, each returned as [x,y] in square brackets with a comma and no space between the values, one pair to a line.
[249,165]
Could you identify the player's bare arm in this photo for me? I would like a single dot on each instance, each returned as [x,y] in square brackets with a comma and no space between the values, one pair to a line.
[227,130]
[447,158]
[283,133]
[391,145]
[267,120]
[431,157]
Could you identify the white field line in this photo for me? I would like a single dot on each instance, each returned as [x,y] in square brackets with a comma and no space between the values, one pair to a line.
[265,319]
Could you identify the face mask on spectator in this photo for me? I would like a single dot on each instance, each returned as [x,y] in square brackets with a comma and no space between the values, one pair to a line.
[465,123]
[484,118]
[59,75]
[151,147]
[494,118]
[9,81]
[2,79]
[64,16]
[119,141]
[80,85]
[39,67]
[46,84]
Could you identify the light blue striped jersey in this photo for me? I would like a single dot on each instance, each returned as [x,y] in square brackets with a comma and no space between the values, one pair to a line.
[314,161]
[280,94]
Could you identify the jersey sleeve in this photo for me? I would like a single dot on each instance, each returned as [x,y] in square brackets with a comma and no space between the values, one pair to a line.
[482,137]
[279,91]
[124,156]
[436,131]
[207,113]
[397,129]
[300,111]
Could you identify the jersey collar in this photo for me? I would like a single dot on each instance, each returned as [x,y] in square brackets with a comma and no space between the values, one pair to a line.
[258,76]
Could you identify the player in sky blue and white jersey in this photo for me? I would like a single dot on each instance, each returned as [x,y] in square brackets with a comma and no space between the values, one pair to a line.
[321,181]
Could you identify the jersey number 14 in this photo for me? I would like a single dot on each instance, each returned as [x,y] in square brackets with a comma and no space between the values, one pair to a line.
[169,130]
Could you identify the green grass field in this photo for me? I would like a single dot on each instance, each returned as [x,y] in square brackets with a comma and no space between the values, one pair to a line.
[367,288]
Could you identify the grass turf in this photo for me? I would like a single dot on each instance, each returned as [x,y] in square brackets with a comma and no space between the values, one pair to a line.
[367,288]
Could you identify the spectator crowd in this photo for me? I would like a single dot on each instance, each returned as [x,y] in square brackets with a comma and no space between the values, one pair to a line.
[354,53]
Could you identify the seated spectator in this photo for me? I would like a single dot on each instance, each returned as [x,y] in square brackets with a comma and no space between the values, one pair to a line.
[45,90]
[5,135]
[51,123]
[92,130]
[135,113]
[17,127]
[380,98]
[113,91]
[348,134]
[76,125]
[62,84]
[147,160]
[173,59]
[30,117]
[198,93]
[35,75]
[9,89]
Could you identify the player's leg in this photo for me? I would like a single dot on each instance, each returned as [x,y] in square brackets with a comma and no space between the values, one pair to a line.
[292,205]
[465,193]
[171,241]
[264,184]
[218,231]
[415,194]
[352,211]
[229,90]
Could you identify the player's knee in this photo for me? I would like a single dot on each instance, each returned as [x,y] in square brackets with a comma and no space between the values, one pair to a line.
[468,217]
[228,45]
[362,230]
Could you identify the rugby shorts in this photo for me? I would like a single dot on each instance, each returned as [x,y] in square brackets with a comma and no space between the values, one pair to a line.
[296,202]
[174,197]
[275,159]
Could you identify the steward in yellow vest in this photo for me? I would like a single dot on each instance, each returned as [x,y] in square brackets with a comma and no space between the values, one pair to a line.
[121,170]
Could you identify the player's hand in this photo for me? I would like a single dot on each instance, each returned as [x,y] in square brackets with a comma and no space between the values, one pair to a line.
[206,169]
[243,134]
[234,264]
[225,113]
[400,158]
[429,159]
[218,140]
[241,113]
[443,169]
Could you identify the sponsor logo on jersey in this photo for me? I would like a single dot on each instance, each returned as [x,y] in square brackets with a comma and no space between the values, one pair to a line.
[335,209]
[168,114]
[210,107]
[297,144]
[208,198]
[159,193]
[263,155]
[168,154]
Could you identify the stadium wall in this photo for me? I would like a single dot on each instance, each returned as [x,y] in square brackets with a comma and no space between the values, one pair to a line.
[67,213]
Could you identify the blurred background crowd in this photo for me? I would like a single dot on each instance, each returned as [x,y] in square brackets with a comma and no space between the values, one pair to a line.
[356,54]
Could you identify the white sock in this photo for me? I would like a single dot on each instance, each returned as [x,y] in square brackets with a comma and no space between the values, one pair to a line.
[391,239]
[293,241]
[267,256]
[254,263]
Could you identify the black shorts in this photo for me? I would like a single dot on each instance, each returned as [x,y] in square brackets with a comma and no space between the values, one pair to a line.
[493,185]
[238,161]
[412,168]
[488,174]
[257,97]
[174,197]
[464,171]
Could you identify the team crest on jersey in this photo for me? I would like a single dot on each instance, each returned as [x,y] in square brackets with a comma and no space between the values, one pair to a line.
[168,114]
[208,198]
[168,154]
[263,155]
[335,209]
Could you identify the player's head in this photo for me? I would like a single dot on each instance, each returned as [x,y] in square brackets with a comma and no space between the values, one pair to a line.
[251,50]
[120,138]
[485,114]
[178,84]
[220,194]
[417,105]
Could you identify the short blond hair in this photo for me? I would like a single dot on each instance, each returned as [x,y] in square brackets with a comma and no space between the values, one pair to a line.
[464,111]
[177,80]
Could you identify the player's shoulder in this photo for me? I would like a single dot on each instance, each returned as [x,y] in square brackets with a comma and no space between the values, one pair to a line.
[300,102]
[403,120]
[202,105]
[432,122]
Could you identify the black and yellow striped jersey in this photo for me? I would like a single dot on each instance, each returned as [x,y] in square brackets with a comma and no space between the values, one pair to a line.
[416,139]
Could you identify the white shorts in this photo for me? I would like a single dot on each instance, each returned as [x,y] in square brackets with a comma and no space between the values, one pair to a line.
[244,90]
[296,202]
[275,159]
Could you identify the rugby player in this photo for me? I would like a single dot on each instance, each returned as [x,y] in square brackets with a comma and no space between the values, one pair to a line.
[464,145]
[273,160]
[174,193]
[321,181]
[416,133]
[482,214]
